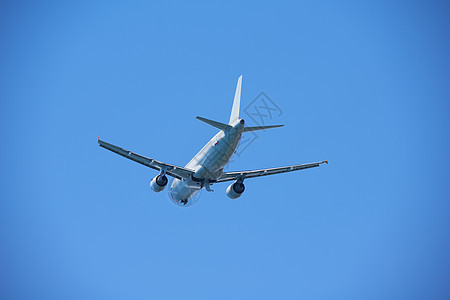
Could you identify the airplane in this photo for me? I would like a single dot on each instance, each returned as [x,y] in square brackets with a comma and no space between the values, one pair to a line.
[206,167]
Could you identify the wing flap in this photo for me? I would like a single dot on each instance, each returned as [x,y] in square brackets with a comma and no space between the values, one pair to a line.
[172,170]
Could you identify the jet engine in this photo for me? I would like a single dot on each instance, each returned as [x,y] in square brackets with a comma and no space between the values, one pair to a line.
[158,183]
[235,190]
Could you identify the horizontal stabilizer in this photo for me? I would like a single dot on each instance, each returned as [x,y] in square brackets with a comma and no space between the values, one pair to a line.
[216,124]
[256,128]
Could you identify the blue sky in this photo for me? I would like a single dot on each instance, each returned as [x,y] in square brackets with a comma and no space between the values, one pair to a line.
[363,83]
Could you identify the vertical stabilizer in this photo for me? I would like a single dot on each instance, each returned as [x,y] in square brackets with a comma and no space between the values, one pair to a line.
[237,102]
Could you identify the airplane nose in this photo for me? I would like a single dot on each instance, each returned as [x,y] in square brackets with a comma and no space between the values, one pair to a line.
[182,195]
[180,200]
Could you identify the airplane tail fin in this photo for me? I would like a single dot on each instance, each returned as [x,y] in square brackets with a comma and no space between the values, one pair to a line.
[237,102]
[235,114]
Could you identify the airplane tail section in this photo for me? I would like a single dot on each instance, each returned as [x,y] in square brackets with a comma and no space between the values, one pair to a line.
[235,113]
[237,102]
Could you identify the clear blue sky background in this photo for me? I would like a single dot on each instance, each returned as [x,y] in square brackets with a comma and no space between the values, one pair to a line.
[365,83]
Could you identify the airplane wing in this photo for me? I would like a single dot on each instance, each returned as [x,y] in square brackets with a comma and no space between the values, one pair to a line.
[229,176]
[172,170]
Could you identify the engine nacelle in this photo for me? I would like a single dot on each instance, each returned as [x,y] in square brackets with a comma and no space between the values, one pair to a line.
[158,183]
[235,190]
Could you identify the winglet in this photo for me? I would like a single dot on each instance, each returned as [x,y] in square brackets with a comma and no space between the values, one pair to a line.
[327,161]
[98,138]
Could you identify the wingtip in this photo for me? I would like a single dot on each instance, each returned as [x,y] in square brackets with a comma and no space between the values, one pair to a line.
[327,161]
[98,138]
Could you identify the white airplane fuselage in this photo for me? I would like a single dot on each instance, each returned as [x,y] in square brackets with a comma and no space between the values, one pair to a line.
[208,164]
